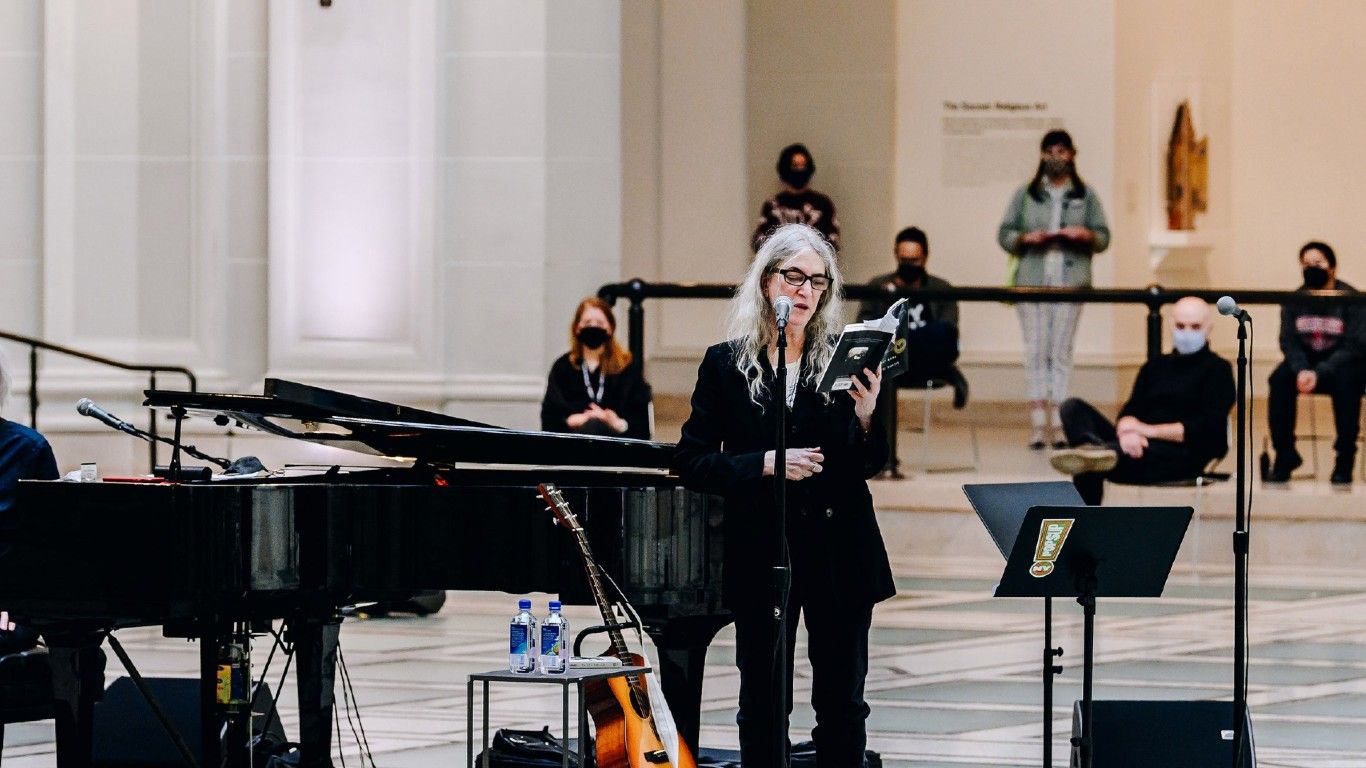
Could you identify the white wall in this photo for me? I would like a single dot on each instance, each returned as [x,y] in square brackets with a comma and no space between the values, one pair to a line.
[21,146]
[824,74]
[1299,167]
[435,152]
[686,214]
[1167,51]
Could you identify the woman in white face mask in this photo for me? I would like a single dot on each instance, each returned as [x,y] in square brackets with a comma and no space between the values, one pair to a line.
[1174,424]
[1052,228]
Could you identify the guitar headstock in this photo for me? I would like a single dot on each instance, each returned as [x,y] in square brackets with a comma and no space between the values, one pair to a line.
[556,504]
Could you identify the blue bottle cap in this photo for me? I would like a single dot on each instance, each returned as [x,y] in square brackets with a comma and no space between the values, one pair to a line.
[524,605]
[554,605]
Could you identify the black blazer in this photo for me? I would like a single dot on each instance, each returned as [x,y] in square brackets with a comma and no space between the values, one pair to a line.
[722,451]
[627,393]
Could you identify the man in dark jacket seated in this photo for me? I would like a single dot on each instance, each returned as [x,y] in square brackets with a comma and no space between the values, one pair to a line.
[24,455]
[931,330]
[1323,354]
[1174,424]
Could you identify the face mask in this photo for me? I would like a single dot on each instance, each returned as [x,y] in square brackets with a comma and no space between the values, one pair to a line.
[1188,342]
[1054,167]
[910,273]
[796,178]
[592,336]
[1315,277]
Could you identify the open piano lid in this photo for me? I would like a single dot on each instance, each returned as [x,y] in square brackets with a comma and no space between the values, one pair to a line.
[377,427]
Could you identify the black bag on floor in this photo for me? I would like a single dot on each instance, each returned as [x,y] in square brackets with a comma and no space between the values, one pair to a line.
[531,749]
[803,756]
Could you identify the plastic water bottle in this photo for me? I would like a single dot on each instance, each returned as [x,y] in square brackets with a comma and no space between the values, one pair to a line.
[555,641]
[522,639]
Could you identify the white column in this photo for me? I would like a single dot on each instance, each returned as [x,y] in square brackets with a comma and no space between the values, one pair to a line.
[530,194]
[688,218]
[21,141]
[134,219]
[352,130]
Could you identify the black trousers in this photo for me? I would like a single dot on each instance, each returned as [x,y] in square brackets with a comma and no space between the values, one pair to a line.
[837,647]
[1343,386]
[1162,461]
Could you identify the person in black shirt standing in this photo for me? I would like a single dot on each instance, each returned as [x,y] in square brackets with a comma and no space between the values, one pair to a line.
[1175,422]
[796,203]
[1322,344]
[596,388]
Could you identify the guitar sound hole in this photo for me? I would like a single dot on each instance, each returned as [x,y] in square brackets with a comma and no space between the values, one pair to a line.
[640,702]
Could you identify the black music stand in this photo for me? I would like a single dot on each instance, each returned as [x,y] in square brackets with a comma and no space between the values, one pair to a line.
[1001,507]
[1090,552]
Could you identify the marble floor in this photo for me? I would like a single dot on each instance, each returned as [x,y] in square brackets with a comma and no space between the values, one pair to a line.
[954,672]
[953,679]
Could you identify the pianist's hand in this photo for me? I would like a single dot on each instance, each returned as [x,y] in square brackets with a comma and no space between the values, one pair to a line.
[801,463]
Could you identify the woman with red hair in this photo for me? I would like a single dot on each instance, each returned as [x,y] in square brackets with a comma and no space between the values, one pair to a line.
[596,388]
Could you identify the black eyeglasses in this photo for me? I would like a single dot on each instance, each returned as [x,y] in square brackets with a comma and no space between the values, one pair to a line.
[795,276]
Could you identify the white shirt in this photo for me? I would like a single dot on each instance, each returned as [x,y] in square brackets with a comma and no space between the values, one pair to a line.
[793,371]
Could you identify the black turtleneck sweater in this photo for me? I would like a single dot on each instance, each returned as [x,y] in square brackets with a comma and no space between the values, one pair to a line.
[1195,390]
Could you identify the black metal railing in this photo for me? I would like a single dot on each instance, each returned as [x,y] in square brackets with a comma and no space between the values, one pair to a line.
[34,345]
[1154,297]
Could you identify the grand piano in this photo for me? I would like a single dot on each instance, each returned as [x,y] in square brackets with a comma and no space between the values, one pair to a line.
[200,557]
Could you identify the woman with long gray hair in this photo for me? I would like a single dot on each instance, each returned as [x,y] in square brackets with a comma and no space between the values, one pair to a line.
[835,551]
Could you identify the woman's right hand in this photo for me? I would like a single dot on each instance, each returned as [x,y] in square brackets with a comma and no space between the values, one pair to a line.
[801,463]
[1034,238]
[577,420]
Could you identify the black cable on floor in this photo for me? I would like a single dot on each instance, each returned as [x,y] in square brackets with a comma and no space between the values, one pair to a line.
[349,695]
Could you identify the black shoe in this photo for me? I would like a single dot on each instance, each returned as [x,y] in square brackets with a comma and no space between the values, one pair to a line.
[1284,465]
[960,387]
[1342,470]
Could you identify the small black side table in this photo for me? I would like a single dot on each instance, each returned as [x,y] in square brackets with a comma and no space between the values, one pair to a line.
[574,677]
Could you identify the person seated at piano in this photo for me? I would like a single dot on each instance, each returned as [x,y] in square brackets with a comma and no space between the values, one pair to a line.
[24,455]
[596,388]
[839,566]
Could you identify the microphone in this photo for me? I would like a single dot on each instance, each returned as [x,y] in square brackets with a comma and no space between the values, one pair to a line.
[87,407]
[1227,306]
[782,308]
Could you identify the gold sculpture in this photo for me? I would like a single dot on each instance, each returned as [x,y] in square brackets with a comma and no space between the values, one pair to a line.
[1187,172]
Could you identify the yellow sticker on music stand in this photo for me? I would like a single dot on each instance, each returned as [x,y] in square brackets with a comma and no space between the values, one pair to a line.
[1052,535]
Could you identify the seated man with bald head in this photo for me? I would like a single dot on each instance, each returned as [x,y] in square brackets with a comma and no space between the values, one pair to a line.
[1174,424]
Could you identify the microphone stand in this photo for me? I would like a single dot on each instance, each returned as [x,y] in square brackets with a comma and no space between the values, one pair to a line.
[1241,540]
[129,429]
[782,572]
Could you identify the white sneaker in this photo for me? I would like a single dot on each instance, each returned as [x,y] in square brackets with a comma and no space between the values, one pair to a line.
[1076,461]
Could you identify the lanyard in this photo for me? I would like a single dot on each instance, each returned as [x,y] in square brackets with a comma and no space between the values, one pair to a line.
[588,384]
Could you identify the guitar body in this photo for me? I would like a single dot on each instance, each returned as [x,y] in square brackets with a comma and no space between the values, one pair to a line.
[626,736]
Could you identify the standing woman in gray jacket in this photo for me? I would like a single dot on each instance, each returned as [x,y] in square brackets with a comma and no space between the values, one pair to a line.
[1054,225]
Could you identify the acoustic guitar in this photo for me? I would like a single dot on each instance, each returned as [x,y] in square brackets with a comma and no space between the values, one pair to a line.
[628,733]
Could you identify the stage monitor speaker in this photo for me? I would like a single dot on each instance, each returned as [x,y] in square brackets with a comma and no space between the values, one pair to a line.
[127,733]
[1172,734]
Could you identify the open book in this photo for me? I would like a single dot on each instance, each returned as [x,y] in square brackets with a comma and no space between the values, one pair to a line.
[861,345]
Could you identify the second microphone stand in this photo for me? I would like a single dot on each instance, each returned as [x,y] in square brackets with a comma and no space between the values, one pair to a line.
[1241,539]
[782,571]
